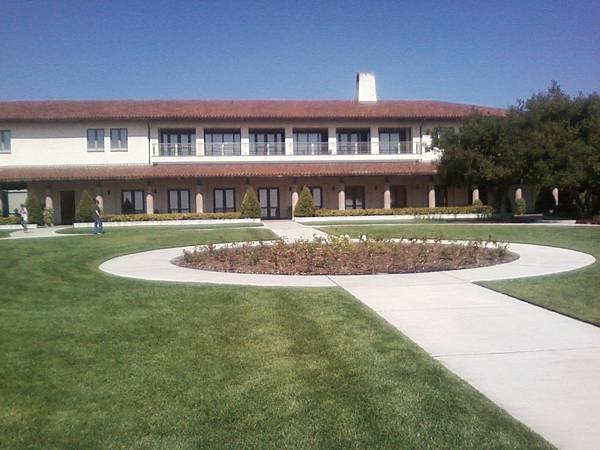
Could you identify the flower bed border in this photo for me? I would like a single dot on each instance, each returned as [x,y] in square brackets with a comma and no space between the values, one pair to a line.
[387,218]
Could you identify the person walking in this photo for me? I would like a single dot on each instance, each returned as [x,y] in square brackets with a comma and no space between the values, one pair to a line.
[24,214]
[97,216]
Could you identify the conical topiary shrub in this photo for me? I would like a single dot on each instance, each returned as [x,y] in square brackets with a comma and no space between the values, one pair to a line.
[305,206]
[250,206]
[86,208]
[34,208]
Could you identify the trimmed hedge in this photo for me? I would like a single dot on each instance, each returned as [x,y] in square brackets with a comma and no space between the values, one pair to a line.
[173,216]
[306,205]
[475,209]
[10,220]
[250,207]
[85,211]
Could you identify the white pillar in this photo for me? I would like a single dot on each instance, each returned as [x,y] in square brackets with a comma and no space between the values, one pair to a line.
[199,141]
[431,197]
[374,140]
[199,200]
[332,140]
[294,197]
[149,201]
[341,197]
[518,193]
[475,194]
[48,203]
[245,140]
[387,196]
[289,141]
[555,195]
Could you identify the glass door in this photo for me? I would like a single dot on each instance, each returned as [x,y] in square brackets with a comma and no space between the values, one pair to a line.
[269,202]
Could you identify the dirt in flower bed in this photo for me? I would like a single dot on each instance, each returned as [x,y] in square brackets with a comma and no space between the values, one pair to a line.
[339,256]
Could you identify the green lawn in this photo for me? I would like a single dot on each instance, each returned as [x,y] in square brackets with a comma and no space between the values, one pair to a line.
[5,233]
[149,228]
[574,293]
[94,361]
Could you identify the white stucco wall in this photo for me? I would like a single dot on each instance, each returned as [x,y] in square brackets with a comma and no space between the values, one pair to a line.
[46,144]
[65,143]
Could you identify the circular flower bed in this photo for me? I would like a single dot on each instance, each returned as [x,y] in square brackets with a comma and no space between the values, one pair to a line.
[342,256]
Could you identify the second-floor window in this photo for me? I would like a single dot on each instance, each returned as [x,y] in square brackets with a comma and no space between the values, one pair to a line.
[310,142]
[4,141]
[267,142]
[222,142]
[178,142]
[353,142]
[395,141]
[95,139]
[118,139]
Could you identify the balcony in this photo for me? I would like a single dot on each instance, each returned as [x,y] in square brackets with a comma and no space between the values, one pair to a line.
[311,148]
[222,149]
[400,148]
[353,148]
[174,149]
[267,148]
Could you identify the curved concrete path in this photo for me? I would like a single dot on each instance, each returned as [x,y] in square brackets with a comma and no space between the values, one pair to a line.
[540,366]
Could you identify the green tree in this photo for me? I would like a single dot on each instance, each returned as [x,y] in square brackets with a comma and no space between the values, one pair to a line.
[550,140]
[86,208]
[34,208]
[306,205]
[250,206]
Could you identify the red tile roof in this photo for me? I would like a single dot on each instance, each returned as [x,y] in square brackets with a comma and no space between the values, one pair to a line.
[235,109]
[136,172]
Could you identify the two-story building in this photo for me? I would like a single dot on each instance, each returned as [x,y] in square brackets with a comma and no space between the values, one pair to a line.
[145,156]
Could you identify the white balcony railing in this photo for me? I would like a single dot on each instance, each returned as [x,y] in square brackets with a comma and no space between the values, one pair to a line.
[222,148]
[174,149]
[279,149]
[353,148]
[400,148]
[311,148]
[267,148]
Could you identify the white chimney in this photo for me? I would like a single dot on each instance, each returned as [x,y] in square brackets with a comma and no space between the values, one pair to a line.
[366,91]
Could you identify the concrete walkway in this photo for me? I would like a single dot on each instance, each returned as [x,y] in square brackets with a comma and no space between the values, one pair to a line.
[293,231]
[40,232]
[541,367]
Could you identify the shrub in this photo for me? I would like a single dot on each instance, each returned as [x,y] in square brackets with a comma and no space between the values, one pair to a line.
[48,216]
[34,208]
[477,202]
[520,206]
[305,206]
[10,220]
[483,211]
[250,207]
[86,208]
[173,216]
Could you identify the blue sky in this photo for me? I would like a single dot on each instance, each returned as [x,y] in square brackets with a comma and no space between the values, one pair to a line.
[482,52]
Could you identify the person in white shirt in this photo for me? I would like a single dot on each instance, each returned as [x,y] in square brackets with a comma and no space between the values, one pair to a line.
[24,218]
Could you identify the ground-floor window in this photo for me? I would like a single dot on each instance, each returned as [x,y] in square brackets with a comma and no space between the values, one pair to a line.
[398,194]
[441,196]
[269,202]
[317,195]
[132,202]
[224,200]
[179,201]
[355,197]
